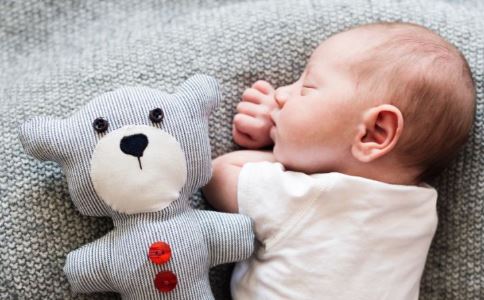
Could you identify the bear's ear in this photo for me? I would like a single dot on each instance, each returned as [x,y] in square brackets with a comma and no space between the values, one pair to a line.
[41,137]
[202,89]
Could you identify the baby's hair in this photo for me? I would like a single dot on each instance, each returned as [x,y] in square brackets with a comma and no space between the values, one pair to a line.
[431,83]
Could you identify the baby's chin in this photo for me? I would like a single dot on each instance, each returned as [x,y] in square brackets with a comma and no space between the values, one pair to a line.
[276,151]
[289,162]
[298,161]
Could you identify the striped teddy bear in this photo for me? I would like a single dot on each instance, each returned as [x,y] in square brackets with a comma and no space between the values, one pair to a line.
[136,155]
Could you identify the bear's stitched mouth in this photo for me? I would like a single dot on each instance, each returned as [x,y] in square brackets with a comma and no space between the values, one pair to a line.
[134,145]
[139,162]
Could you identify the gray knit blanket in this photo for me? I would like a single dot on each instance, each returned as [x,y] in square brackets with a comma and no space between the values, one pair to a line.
[57,55]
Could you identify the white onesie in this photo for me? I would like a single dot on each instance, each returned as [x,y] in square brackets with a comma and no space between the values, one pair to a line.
[332,236]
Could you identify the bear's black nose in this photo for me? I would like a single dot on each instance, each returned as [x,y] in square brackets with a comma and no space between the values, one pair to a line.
[134,145]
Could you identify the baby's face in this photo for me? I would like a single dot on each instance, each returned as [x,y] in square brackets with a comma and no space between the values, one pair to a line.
[317,116]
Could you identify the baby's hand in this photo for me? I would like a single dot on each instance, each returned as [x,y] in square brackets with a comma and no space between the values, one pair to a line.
[252,124]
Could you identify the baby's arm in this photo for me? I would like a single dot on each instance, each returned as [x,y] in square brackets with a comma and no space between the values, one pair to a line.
[221,191]
[251,129]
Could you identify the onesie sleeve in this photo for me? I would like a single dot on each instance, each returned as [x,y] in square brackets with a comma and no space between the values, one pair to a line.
[274,198]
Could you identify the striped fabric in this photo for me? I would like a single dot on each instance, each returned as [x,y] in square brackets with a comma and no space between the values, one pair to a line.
[119,260]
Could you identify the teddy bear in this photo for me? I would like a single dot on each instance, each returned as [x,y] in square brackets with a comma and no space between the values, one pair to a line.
[136,154]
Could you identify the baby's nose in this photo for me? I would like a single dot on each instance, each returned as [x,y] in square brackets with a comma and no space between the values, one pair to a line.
[282,95]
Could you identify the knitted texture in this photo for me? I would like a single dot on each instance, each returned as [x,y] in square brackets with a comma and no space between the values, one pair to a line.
[56,56]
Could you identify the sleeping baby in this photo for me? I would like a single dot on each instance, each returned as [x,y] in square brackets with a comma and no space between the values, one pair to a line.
[341,206]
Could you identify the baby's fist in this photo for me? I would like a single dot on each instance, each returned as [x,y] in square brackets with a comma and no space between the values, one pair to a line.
[252,123]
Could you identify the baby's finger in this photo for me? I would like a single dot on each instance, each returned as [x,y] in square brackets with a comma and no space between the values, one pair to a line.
[264,86]
[243,139]
[250,108]
[247,124]
[253,95]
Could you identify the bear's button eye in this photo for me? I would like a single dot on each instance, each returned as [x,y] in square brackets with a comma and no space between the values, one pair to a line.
[156,115]
[100,125]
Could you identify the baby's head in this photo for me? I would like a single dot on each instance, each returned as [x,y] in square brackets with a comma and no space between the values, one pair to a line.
[389,101]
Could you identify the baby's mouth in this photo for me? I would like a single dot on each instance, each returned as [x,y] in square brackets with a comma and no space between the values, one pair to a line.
[273,115]
[272,133]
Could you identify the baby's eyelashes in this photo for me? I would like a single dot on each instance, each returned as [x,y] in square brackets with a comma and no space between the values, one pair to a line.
[306,89]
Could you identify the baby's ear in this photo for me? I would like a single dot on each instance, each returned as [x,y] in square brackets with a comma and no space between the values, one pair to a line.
[378,133]
[41,137]
[202,89]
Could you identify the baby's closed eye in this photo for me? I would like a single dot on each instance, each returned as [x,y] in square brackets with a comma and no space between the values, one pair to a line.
[305,89]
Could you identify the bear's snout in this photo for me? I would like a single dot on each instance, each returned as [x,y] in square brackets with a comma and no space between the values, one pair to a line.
[159,173]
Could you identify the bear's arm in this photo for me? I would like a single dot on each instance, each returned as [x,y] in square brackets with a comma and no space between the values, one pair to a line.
[87,268]
[230,237]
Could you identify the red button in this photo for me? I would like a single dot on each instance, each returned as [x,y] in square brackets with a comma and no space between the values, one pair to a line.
[159,253]
[165,281]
